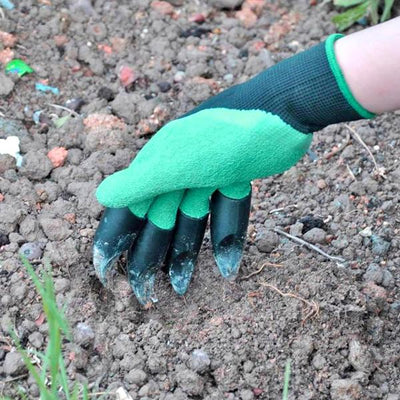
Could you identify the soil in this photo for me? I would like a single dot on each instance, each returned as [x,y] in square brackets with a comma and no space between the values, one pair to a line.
[137,65]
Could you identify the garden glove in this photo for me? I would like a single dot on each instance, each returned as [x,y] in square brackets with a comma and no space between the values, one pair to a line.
[158,207]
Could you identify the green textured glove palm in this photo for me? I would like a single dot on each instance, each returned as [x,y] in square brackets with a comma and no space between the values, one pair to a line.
[252,130]
[213,149]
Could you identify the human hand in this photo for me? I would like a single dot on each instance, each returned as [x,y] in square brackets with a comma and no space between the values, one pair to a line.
[158,207]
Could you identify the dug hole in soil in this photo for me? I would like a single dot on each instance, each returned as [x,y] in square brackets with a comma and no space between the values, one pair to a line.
[126,68]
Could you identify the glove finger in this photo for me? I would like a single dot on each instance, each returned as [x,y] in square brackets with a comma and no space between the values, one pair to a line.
[147,254]
[117,230]
[230,209]
[188,237]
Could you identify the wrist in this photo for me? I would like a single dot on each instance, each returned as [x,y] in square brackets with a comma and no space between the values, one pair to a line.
[335,57]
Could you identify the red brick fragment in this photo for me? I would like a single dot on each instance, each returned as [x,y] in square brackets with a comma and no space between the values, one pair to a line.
[57,156]
[199,18]
[6,56]
[246,17]
[8,39]
[162,7]
[126,75]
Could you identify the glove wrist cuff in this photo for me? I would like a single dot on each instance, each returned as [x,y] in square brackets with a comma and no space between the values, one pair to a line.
[340,79]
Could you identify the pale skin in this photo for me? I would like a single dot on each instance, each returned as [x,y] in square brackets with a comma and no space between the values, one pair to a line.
[370,62]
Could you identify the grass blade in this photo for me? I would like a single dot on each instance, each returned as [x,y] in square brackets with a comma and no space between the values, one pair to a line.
[351,16]
[346,3]
[387,10]
[286,381]
[64,379]
[44,393]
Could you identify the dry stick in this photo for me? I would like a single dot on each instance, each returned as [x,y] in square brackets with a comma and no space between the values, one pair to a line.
[314,307]
[338,149]
[266,264]
[64,108]
[8,380]
[380,170]
[350,172]
[282,208]
[309,245]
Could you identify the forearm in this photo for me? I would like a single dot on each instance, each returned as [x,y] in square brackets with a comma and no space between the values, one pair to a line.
[370,62]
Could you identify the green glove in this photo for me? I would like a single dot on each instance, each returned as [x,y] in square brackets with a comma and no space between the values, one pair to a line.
[253,130]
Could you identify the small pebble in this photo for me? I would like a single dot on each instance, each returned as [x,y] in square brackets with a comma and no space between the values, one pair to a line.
[366,232]
[14,364]
[7,161]
[36,339]
[315,236]
[319,361]
[3,239]
[122,394]
[359,356]
[179,76]
[296,229]
[136,376]
[228,78]
[380,246]
[32,251]
[373,273]
[106,93]
[321,184]
[267,241]
[83,334]
[199,361]
[226,4]
[75,104]
[164,86]
[6,85]
[194,31]
[388,279]
[243,53]
[61,285]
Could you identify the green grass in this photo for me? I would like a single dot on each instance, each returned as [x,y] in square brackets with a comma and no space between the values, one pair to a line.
[285,393]
[51,377]
[373,10]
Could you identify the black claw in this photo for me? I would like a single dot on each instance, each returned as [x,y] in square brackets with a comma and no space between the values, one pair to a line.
[188,237]
[117,230]
[229,221]
[145,258]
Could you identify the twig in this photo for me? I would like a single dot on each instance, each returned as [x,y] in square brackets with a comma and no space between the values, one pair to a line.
[350,172]
[309,245]
[338,149]
[21,47]
[283,208]
[314,307]
[266,264]
[16,378]
[379,170]
[64,108]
